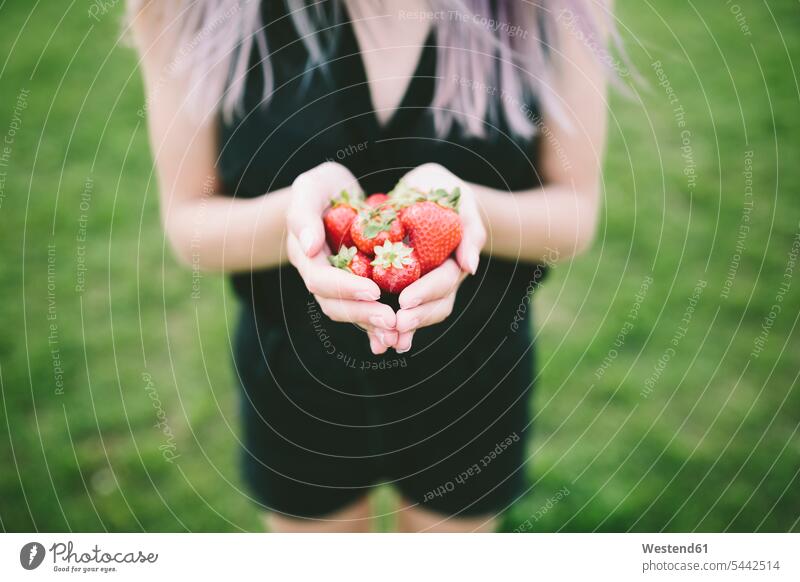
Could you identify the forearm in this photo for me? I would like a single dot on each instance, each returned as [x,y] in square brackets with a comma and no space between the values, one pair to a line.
[220,233]
[542,224]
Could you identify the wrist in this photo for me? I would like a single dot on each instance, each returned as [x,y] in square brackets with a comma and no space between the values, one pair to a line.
[269,239]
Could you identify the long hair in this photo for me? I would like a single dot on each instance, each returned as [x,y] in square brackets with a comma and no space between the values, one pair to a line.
[483,46]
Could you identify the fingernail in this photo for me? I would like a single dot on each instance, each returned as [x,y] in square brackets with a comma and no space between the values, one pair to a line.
[306,239]
[367,296]
[378,321]
[473,264]
[402,351]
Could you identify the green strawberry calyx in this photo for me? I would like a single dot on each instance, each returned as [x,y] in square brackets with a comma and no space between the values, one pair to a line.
[397,255]
[445,198]
[345,198]
[377,220]
[343,258]
[404,195]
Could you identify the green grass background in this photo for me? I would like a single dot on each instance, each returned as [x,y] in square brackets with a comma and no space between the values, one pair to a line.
[713,447]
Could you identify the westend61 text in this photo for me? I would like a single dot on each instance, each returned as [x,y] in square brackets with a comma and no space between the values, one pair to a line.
[671,549]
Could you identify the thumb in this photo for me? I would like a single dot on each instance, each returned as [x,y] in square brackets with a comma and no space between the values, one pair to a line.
[473,237]
[304,217]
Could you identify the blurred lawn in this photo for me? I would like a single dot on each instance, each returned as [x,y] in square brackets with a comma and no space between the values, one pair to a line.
[714,446]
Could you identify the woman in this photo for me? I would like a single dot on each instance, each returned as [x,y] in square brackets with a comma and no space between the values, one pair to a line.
[260,113]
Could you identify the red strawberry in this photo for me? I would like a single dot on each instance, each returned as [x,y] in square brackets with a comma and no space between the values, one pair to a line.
[374,226]
[395,266]
[376,200]
[338,219]
[434,228]
[350,259]
[403,196]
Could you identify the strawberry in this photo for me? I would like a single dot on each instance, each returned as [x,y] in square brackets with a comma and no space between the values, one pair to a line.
[338,219]
[403,196]
[376,200]
[352,260]
[434,228]
[374,226]
[395,266]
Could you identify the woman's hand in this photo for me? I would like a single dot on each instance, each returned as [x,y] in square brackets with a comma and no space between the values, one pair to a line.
[430,299]
[428,177]
[311,194]
[342,296]
[427,301]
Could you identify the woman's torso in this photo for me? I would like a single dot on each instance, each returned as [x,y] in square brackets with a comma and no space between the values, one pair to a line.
[327,115]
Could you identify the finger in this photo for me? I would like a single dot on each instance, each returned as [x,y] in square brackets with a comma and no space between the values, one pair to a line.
[375,345]
[298,257]
[387,337]
[367,314]
[304,217]
[293,251]
[323,279]
[468,256]
[431,175]
[336,177]
[404,342]
[327,281]
[473,235]
[436,284]
[426,314]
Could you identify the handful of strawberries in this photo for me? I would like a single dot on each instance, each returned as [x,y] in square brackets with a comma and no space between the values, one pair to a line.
[393,239]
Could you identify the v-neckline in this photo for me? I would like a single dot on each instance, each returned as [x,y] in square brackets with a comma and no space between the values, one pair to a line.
[362,79]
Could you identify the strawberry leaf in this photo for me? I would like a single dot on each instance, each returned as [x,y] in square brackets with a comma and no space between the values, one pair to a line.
[445,198]
[345,198]
[343,259]
[404,195]
[373,228]
[378,220]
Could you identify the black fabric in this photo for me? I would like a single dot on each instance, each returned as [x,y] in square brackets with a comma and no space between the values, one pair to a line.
[324,419]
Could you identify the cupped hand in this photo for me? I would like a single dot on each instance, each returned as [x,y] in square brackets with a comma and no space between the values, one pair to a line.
[430,299]
[429,177]
[311,194]
[427,301]
[341,295]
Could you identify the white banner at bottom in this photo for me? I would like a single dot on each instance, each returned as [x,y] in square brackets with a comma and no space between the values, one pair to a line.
[397,557]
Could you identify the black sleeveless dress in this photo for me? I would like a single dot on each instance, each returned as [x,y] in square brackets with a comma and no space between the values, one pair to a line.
[324,419]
